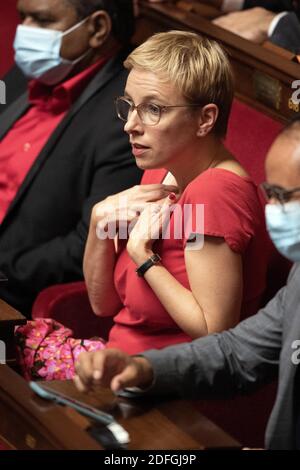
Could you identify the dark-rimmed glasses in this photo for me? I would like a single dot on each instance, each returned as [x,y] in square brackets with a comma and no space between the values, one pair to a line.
[278,193]
[149,113]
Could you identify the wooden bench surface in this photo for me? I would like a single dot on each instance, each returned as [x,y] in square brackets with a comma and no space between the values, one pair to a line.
[29,422]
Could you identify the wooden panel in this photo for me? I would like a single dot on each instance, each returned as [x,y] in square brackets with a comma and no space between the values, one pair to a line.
[9,315]
[9,319]
[30,423]
[155,424]
[263,78]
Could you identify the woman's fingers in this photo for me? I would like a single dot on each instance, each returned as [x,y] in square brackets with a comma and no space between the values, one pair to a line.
[156,192]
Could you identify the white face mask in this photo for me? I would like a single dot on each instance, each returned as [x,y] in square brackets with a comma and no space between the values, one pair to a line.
[37,53]
[283,224]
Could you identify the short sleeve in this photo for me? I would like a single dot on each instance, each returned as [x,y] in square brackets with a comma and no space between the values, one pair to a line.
[220,203]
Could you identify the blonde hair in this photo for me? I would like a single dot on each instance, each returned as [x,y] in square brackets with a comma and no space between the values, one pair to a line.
[197,66]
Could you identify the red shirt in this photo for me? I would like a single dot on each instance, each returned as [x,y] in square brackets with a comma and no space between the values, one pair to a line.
[233,211]
[23,143]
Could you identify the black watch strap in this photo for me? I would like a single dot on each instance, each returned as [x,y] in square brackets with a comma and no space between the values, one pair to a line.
[154,259]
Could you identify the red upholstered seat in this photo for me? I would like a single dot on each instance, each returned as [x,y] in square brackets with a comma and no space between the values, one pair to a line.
[250,134]
[4,446]
[69,305]
[8,21]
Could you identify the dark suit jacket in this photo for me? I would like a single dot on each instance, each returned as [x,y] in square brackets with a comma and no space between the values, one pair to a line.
[272,5]
[241,359]
[16,84]
[287,33]
[87,158]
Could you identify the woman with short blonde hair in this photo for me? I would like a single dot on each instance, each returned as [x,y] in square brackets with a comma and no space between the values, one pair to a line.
[183,58]
[185,265]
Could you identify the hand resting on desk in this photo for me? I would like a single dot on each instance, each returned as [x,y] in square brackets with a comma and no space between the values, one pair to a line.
[112,368]
[250,24]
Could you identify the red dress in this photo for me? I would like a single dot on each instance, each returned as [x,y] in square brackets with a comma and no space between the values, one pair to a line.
[233,211]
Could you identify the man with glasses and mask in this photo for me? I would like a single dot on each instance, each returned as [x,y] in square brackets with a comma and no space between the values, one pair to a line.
[62,147]
[255,352]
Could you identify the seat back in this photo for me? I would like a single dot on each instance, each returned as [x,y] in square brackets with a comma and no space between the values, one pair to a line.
[250,135]
[8,22]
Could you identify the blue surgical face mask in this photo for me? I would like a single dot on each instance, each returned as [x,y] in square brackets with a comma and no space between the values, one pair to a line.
[37,53]
[283,224]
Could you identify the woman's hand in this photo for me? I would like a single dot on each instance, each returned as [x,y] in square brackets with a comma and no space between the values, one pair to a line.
[120,210]
[151,224]
[112,368]
[114,216]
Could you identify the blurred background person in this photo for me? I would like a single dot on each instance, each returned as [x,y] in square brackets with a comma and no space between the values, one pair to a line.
[62,148]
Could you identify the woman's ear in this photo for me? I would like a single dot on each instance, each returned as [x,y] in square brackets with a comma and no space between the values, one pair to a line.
[100,28]
[207,119]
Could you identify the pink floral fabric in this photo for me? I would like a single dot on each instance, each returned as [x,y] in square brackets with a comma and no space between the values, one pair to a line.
[47,351]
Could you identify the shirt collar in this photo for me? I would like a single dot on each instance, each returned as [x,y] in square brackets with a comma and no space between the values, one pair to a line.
[60,97]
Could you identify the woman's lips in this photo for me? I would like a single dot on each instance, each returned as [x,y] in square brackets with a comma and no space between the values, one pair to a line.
[138,150]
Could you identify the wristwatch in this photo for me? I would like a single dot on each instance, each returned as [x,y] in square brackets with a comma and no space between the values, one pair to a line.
[154,259]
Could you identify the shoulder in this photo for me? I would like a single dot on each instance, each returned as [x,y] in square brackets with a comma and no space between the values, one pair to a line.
[287,31]
[217,182]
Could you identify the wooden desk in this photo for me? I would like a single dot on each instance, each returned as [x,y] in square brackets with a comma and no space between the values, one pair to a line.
[263,78]
[9,319]
[28,422]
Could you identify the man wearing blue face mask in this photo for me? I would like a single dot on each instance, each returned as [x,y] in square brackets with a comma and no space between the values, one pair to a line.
[62,147]
[258,350]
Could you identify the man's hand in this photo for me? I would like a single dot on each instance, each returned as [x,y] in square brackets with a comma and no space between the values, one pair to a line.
[252,24]
[112,368]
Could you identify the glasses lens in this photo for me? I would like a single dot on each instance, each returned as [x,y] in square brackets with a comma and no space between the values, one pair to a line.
[123,109]
[278,194]
[149,113]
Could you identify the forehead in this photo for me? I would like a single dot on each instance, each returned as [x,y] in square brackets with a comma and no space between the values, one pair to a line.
[283,162]
[142,84]
[58,7]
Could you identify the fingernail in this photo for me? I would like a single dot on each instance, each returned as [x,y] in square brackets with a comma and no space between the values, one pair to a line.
[97,375]
[172,196]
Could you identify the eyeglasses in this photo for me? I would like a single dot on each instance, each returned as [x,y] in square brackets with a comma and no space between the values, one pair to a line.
[277,192]
[149,113]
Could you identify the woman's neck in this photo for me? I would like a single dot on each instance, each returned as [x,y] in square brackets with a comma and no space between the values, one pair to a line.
[211,153]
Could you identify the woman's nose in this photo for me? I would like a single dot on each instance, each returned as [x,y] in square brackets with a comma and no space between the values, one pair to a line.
[133,123]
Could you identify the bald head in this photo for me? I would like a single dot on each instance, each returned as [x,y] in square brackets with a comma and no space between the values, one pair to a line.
[283,158]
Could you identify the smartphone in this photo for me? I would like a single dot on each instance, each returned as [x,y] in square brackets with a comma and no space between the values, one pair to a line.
[119,433]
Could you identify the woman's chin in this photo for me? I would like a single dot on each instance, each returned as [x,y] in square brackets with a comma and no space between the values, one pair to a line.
[145,164]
